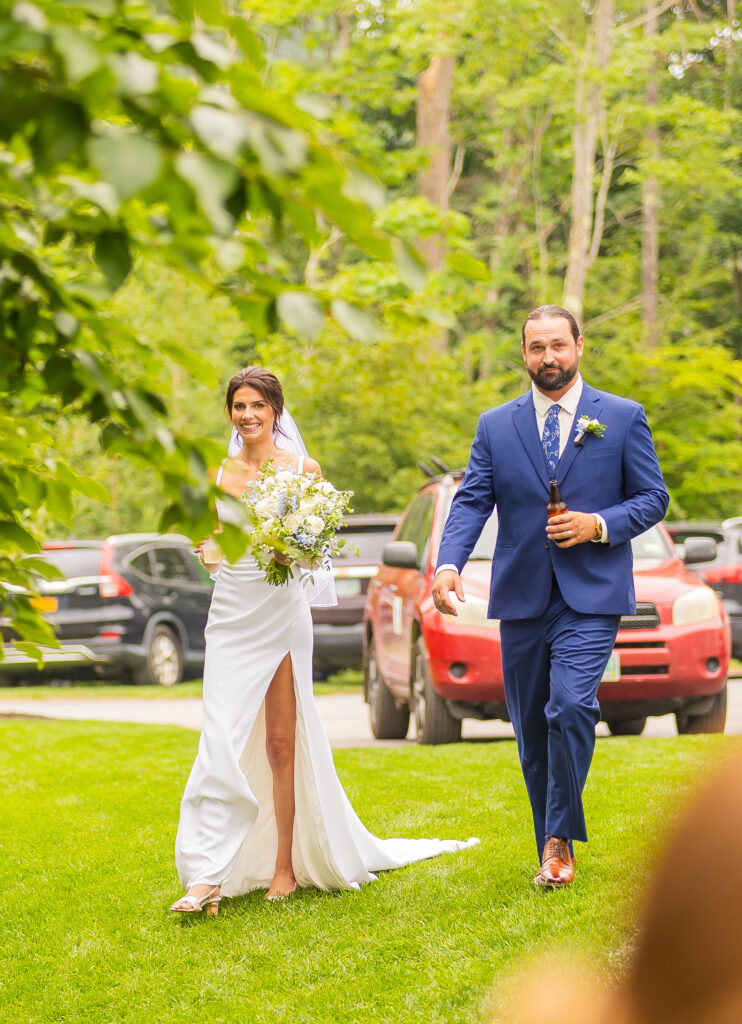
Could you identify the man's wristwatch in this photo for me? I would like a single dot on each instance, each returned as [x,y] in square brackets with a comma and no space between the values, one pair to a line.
[598,529]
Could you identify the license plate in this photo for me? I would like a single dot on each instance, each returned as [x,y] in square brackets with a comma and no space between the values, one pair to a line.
[347,587]
[612,673]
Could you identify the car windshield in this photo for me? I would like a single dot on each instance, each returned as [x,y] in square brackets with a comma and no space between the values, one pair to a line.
[369,544]
[74,561]
[484,549]
[651,544]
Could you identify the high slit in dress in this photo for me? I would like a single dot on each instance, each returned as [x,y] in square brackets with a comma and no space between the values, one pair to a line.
[227,833]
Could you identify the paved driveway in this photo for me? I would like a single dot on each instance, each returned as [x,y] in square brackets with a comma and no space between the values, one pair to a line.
[345,716]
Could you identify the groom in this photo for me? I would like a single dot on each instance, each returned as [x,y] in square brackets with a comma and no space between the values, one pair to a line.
[558,590]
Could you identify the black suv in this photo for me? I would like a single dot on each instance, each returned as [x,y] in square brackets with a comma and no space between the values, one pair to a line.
[724,572]
[133,607]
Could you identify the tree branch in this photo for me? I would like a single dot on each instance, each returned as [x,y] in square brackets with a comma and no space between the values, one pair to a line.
[609,157]
[458,163]
[315,256]
[627,307]
[638,22]
[562,38]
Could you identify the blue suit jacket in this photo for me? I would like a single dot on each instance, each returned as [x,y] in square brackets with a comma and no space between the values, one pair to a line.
[617,475]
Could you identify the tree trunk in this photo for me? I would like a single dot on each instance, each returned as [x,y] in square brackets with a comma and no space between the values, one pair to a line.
[345,28]
[651,199]
[433,117]
[588,106]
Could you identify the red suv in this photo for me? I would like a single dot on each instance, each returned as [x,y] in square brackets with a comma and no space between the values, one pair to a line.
[672,655]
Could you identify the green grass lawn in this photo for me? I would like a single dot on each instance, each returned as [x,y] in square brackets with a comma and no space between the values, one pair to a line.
[347,681]
[86,845]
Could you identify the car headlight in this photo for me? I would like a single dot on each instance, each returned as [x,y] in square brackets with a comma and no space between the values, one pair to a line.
[473,612]
[697,605]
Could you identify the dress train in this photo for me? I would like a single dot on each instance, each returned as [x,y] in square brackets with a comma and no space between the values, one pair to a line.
[227,833]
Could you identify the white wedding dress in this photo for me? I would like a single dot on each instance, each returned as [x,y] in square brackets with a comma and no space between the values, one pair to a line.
[227,833]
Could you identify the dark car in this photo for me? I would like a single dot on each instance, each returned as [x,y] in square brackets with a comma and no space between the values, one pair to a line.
[132,607]
[724,571]
[671,656]
[338,632]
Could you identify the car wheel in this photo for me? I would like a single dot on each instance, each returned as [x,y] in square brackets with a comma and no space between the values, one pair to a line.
[388,722]
[712,720]
[626,726]
[434,723]
[164,664]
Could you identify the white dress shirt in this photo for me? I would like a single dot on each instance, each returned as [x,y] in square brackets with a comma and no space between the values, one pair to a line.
[567,410]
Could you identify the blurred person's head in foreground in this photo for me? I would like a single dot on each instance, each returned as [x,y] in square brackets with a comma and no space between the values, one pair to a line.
[687,963]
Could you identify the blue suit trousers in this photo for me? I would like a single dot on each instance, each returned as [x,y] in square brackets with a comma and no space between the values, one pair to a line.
[552,667]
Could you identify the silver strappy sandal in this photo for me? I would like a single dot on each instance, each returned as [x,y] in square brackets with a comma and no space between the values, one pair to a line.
[209,901]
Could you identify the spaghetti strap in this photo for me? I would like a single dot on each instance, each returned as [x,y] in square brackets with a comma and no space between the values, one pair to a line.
[221,470]
[300,464]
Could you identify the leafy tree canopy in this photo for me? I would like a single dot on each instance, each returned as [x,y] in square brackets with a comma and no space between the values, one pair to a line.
[130,131]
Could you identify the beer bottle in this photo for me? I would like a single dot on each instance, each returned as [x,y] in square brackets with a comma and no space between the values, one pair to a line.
[556,506]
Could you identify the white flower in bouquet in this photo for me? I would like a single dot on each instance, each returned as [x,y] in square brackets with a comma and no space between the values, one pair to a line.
[293,521]
[315,525]
[267,507]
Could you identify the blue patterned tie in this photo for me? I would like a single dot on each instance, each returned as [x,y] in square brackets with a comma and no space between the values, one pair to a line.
[550,439]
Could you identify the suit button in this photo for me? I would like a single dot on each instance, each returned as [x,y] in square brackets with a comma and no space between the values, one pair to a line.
[546,545]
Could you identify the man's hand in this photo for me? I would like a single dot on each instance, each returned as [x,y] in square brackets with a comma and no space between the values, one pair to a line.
[570,528]
[446,581]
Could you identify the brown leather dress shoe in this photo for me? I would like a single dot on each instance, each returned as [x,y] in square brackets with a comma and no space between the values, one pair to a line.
[557,864]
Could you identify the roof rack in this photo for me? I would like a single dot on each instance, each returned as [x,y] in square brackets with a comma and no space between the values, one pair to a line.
[435,478]
[441,465]
[441,469]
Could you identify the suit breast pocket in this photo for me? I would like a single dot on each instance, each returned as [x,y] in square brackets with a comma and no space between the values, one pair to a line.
[602,451]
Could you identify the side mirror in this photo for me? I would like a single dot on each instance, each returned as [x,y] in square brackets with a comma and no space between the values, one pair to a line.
[400,554]
[699,549]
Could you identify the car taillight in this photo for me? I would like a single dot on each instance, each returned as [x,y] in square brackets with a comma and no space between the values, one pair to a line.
[731,573]
[111,584]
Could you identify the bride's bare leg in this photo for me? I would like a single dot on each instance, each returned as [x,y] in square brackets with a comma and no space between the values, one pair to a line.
[280,726]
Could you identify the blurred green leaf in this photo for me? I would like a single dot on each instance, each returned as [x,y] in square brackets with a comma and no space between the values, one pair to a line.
[81,56]
[468,266]
[410,265]
[359,323]
[113,257]
[212,181]
[302,312]
[129,162]
[11,533]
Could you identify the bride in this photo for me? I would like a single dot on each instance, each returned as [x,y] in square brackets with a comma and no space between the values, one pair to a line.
[263,806]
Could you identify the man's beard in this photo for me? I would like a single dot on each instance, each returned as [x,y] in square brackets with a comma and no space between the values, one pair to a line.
[553,381]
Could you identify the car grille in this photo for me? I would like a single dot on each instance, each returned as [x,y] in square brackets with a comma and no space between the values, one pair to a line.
[635,645]
[646,617]
[645,670]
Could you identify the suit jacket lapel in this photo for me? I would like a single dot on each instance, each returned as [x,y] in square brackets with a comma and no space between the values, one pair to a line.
[589,405]
[524,419]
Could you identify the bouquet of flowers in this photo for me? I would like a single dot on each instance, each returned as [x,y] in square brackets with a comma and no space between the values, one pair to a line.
[295,515]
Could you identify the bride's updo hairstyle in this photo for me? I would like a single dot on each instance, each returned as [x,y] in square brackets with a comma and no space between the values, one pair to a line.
[265,383]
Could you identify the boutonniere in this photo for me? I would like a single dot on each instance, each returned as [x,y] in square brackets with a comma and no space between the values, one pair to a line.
[587,426]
